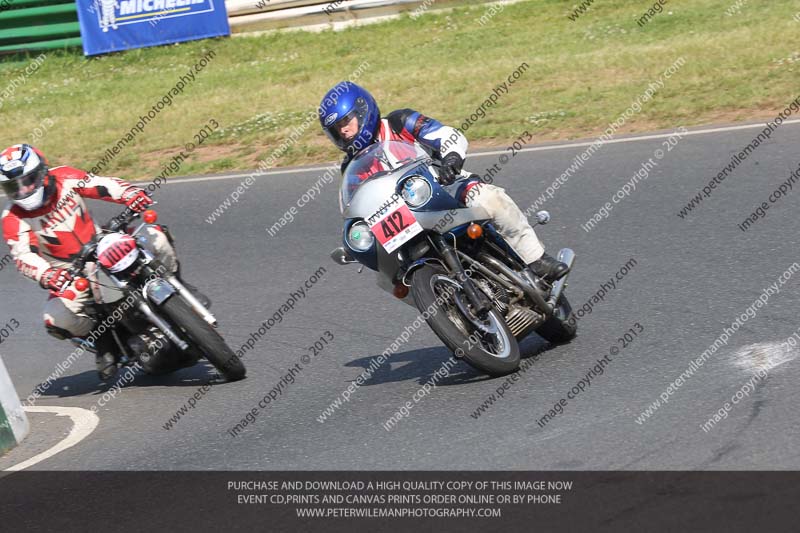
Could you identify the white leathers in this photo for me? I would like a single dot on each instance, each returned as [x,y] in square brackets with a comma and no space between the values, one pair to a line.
[508,218]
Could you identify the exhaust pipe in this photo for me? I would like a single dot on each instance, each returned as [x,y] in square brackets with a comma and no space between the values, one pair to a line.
[566,256]
[532,292]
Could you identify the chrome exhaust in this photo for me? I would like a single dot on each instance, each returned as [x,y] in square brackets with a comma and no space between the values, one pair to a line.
[566,256]
[530,290]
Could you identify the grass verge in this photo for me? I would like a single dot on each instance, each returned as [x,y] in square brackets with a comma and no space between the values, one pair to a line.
[581,74]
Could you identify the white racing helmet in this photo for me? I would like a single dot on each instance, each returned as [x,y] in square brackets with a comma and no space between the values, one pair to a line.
[23,176]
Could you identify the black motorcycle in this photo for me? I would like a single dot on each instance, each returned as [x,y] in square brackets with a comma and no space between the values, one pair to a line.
[154,319]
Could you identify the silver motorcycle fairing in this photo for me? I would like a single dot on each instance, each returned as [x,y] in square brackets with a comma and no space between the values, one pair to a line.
[388,265]
[371,195]
[376,192]
[439,220]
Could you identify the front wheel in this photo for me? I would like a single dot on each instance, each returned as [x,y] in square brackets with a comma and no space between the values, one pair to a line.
[487,344]
[205,337]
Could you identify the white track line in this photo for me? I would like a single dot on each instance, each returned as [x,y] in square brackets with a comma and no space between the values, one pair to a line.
[764,356]
[473,155]
[83,423]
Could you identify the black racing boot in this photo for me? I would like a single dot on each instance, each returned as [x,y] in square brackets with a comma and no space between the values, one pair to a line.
[549,268]
[106,358]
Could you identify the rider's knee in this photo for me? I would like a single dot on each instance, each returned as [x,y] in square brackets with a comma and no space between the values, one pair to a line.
[158,243]
[490,197]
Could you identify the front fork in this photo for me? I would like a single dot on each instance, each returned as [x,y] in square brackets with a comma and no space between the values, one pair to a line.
[546,305]
[143,306]
[450,257]
[160,323]
[194,302]
[153,268]
[158,291]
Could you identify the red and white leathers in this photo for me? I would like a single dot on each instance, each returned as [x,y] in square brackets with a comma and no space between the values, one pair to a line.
[52,236]
[411,126]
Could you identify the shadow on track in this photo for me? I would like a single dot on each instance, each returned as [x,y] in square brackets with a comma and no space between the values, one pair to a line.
[87,383]
[421,365]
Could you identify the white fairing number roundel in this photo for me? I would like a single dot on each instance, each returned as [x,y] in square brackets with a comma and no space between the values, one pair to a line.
[117,251]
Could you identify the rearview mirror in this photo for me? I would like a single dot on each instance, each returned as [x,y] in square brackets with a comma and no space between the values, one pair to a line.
[542,217]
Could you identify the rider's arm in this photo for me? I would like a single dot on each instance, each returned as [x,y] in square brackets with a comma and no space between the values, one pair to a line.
[104,188]
[113,190]
[24,246]
[428,132]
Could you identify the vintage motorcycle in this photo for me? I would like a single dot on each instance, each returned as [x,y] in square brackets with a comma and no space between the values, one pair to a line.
[469,284]
[155,320]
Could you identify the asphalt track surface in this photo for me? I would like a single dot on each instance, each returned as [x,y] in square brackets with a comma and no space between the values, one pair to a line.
[692,278]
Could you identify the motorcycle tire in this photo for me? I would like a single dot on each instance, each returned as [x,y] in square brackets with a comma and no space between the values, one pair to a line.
[425,297]
[205,337]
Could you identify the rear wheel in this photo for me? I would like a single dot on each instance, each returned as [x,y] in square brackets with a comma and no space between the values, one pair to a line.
[562,326]
[487,344]
[205,337]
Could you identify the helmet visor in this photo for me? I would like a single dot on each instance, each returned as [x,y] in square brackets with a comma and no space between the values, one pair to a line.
[347,128]
[25,185]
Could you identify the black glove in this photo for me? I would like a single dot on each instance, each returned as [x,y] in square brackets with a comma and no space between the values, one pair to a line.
[451,168]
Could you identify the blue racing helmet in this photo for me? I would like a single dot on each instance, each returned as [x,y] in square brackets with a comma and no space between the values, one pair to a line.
[344,102]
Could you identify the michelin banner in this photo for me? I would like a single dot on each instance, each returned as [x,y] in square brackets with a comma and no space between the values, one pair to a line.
[112,25]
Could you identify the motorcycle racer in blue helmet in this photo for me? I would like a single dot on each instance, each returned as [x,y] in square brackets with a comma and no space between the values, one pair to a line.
[351,119]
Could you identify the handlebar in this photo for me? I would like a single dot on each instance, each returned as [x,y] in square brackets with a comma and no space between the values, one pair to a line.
[86,252]
[121,221]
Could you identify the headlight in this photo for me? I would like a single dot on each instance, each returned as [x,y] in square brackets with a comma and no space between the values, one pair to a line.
[416,191]
[359,237]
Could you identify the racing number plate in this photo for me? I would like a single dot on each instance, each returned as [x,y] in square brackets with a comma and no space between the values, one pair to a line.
[396,226]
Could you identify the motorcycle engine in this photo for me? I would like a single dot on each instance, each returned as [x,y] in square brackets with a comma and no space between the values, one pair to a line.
[152,348]
[496,294]
[520,320]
